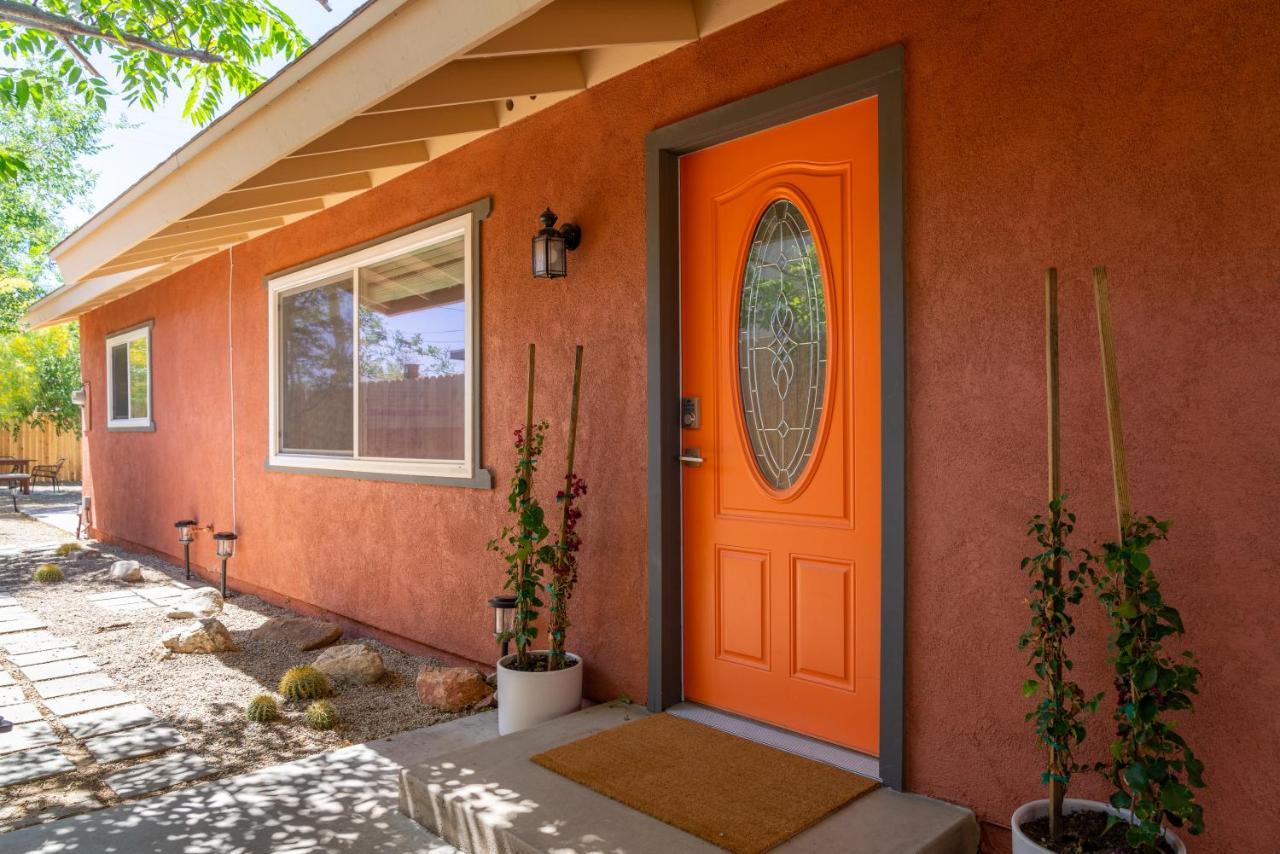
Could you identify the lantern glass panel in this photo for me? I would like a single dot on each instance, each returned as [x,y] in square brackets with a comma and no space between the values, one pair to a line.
[555,258]
[540,256]
[226,548]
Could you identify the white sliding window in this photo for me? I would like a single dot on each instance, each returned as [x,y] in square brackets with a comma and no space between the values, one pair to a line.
[373,360]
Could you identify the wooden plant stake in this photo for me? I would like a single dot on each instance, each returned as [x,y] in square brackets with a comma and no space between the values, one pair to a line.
[522,581]
[561,579]
[1111,385]
[1057,791]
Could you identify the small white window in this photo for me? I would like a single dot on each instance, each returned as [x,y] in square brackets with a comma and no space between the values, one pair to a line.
[373,360]
[129,379]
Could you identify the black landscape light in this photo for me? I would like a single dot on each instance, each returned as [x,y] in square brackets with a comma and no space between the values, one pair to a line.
[186,536]
[226,549]
[504,612]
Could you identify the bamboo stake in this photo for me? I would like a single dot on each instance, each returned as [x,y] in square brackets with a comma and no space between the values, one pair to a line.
[1111,385]
[522,652]
[563,554]
[1057,791]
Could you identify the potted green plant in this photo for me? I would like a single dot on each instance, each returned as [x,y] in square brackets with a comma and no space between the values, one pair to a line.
[535,686]
[1059,713]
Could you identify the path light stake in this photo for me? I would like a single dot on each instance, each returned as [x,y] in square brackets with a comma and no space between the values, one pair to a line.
[564,572]
[186,536]
[226,548]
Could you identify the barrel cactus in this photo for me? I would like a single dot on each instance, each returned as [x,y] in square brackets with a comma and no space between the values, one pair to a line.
[262,709]
[67,548]
[304,683]
[47,572]
[321,715]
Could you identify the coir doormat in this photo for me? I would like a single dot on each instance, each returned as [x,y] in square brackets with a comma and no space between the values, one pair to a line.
[739,795]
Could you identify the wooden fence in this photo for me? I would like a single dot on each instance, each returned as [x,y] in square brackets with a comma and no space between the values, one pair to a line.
[45,446]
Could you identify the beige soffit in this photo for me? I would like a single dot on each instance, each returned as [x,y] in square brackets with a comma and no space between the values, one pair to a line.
[398,83]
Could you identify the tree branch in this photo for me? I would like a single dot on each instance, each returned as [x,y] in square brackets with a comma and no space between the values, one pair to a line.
[29,16]
[78,54]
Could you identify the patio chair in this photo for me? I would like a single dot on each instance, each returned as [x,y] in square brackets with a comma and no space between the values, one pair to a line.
[49,473]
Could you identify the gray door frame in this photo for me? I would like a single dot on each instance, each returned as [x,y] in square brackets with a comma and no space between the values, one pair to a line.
[879,75]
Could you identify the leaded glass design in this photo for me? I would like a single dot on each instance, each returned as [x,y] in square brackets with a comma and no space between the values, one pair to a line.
[782,344]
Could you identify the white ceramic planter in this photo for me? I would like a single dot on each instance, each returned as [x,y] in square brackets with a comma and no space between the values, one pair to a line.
[1022,844]
[526,699]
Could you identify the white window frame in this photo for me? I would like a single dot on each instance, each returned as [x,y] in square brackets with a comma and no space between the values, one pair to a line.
[465,471]
[114,340]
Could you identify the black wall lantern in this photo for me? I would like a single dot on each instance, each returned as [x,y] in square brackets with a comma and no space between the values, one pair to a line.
[551,247]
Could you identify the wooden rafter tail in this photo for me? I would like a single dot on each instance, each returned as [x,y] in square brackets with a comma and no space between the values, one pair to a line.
[1111,385]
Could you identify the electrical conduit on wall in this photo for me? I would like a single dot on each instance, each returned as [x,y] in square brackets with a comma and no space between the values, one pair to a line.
[231,380]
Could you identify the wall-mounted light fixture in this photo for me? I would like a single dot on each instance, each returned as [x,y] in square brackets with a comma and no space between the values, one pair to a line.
[186,536]
[226,548]
[552,245]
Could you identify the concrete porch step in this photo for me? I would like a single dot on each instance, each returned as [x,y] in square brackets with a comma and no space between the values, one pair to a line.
[489,798]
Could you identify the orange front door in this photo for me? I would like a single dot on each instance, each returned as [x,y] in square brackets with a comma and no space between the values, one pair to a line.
[780,275]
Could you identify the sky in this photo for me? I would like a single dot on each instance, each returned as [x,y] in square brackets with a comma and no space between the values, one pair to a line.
[153,135]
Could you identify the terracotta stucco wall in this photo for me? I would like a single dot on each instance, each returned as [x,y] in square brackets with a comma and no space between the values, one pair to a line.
[1139,135]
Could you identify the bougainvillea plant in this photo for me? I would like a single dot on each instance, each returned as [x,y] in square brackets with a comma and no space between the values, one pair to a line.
[1060,711]
[1152,768]
[522,544]
[564,566]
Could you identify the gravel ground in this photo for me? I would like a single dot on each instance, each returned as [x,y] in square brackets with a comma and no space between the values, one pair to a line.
[203,696]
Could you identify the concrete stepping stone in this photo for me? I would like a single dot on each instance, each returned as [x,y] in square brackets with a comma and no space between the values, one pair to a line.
[162,595]
[22,659]
[56,669]
[11,694]
[133,742]
[106,721]
[27,736]
[20,713]
[88,702]
[122,607]
[5,679]
[157,774]
[112,594]
[68,804]
[73,685]
[6,601]
[34,642]
[13,612]
[34,764]
[24,624]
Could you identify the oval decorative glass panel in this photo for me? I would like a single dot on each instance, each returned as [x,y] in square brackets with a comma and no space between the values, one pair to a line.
[782,344]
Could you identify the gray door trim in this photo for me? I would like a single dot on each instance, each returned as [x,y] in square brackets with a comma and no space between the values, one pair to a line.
[879,75]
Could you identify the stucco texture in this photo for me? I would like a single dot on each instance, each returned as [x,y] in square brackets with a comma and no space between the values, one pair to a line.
[1136,135]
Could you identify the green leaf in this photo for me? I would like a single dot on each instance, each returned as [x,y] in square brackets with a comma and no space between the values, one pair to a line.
[1136,776]
[1029,687]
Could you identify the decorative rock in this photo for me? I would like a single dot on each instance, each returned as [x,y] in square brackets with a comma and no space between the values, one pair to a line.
[201,602]
[302,633]
[451,689]
[87,554]
[203,636]
[126,570]
[353,662]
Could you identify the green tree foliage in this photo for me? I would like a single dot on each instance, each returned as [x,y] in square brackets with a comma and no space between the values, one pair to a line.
[39,370]
[208,49]
[52,138]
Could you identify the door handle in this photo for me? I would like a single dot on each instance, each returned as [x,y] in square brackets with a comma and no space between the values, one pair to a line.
[692,456]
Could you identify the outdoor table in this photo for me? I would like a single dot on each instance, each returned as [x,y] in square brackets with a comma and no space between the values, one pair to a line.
[17,465]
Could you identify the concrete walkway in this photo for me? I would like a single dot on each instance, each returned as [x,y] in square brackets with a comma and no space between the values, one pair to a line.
[343,801]
[60,509]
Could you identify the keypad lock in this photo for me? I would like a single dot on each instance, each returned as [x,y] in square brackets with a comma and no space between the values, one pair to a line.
[690,413]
